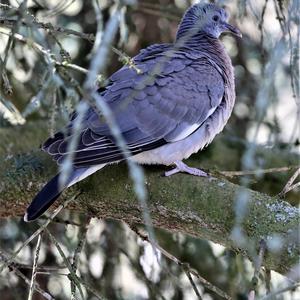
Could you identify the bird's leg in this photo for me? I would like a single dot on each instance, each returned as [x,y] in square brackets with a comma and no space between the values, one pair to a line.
[182,167]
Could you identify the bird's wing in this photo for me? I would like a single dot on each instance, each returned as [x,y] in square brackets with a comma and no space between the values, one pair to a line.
[170,98]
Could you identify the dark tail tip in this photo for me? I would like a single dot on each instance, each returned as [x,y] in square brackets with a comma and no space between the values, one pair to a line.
[43,200]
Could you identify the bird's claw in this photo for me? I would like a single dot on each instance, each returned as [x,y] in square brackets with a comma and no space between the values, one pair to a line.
[182,167]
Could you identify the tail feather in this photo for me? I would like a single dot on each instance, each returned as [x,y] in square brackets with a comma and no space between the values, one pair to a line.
[44,199]
[52,190]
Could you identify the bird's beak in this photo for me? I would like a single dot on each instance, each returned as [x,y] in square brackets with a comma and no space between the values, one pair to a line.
[232,29]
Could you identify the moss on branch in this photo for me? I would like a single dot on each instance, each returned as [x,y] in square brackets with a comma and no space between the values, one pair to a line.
[201,207]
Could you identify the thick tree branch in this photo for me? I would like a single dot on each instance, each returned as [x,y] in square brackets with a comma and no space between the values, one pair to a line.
[198,206]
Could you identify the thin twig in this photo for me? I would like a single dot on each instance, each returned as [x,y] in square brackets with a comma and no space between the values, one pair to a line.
[126,60]
[40,49]
[186,269]
[99,20]
[268,280]
[81,241]
[260,26]
[6,84]
[256,172]
[34,268]
[12,266]
[53,112]
[90,289]
[48,26]
[72,275]
[258,264]
[281,291]
[36,233]
[168,255]
[39,270]
[289,185]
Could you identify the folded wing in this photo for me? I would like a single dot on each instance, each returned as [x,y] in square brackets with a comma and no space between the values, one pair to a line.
[170,98]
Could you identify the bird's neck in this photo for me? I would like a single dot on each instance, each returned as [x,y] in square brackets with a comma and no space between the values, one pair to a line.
[191,35]
[198,41]
[206,44]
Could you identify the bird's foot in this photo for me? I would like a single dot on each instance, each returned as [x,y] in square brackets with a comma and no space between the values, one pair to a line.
[182,167]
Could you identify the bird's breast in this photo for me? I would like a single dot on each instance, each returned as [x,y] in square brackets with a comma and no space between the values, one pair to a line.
[183,149]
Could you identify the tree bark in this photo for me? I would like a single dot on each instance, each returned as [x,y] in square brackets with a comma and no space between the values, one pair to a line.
[202,207]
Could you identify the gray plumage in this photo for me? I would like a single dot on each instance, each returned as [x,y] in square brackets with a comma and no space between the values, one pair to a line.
[175,106]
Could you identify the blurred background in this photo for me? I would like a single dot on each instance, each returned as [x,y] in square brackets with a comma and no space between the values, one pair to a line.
[114,260]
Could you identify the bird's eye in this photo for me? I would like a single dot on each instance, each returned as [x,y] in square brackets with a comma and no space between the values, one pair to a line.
[215,18]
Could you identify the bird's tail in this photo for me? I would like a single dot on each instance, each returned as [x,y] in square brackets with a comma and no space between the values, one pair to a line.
[52,190]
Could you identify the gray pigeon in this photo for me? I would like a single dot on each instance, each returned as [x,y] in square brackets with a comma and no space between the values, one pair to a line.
[175,106]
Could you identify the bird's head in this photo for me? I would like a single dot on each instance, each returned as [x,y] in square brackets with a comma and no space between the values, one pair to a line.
[206,18]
